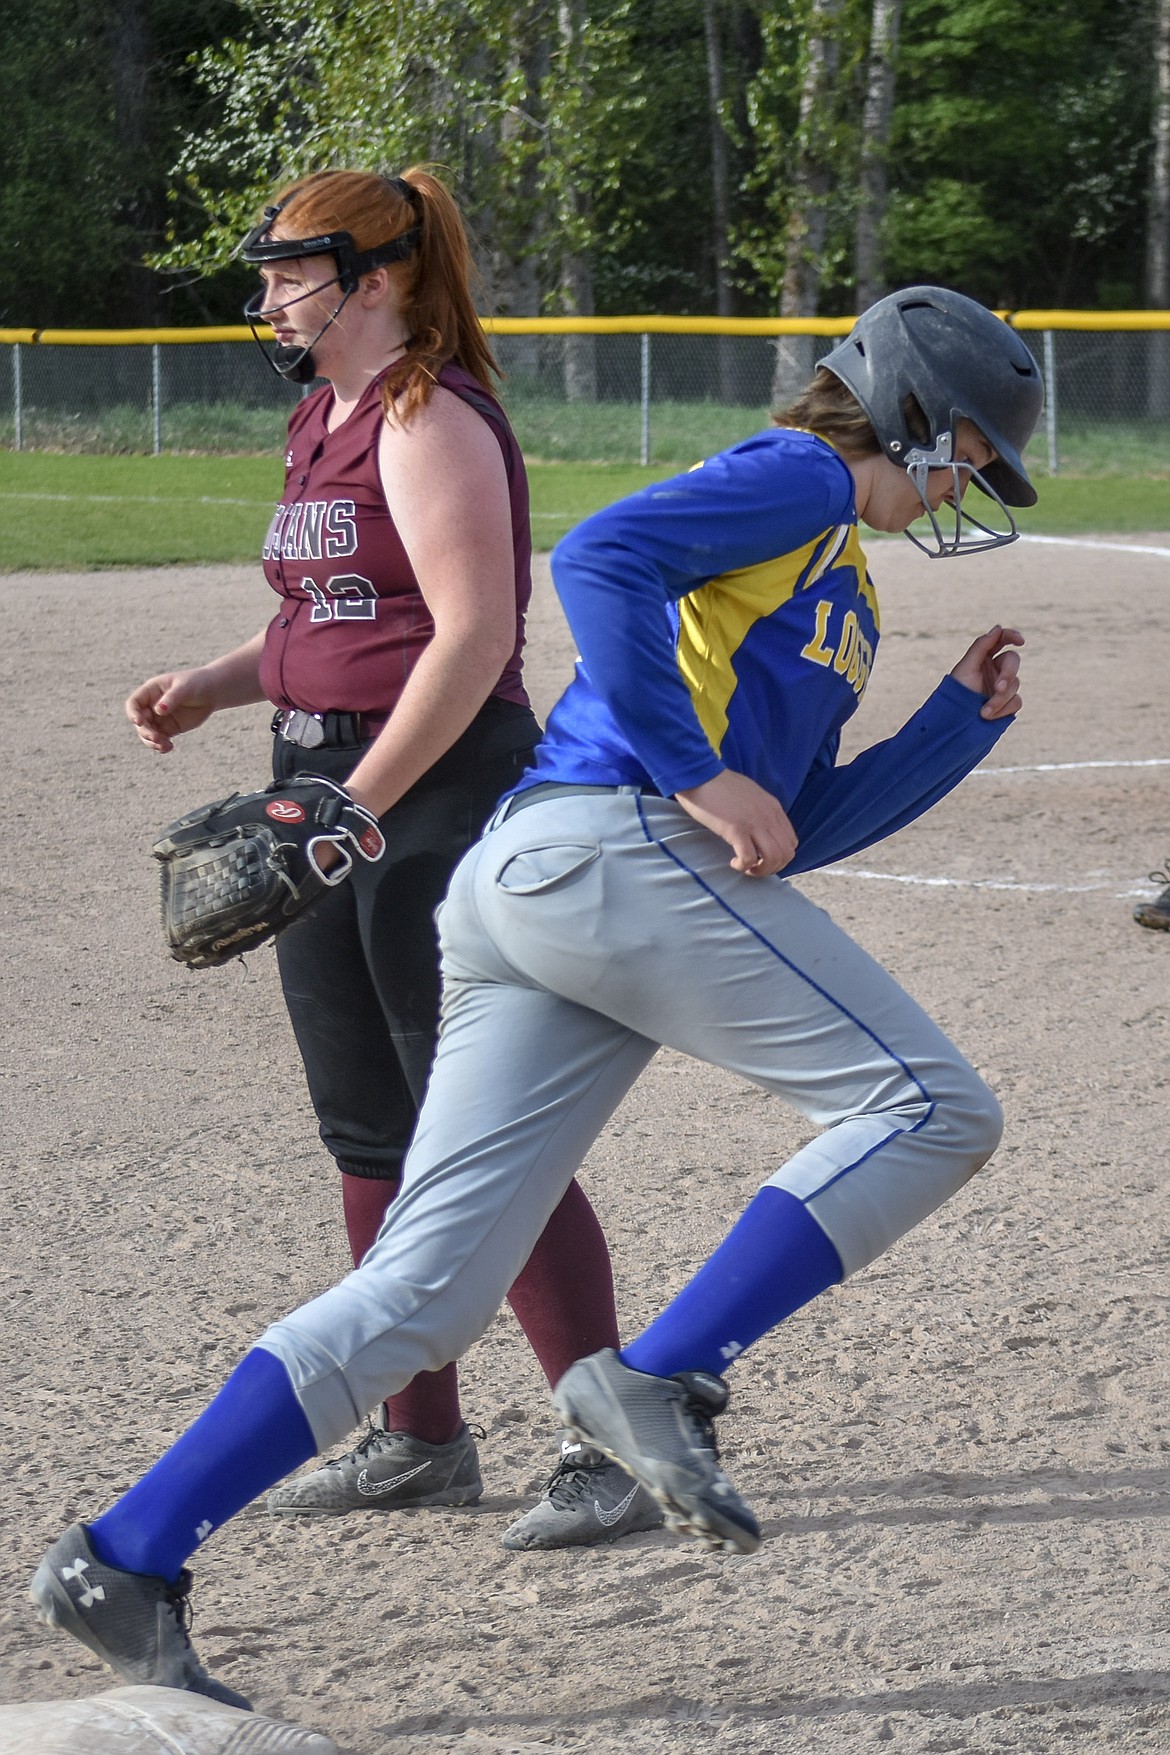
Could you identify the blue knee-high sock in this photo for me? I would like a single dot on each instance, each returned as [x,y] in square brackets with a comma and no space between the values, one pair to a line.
[251,1436]
[772,1261]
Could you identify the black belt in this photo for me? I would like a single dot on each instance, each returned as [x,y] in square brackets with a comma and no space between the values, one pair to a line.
[561,789]
[314,731]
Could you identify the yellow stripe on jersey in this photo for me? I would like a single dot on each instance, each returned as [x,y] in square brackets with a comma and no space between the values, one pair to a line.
[716,619]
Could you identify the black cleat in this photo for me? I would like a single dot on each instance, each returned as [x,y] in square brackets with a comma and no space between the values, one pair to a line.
[135,1623]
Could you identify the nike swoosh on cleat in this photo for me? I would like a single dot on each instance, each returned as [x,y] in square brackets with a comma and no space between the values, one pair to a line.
[374,1489]
[610,1517]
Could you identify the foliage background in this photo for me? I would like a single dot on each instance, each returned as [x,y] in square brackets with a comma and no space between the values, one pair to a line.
[580,138]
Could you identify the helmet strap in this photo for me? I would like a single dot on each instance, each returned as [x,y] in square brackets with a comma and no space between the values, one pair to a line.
[293,363]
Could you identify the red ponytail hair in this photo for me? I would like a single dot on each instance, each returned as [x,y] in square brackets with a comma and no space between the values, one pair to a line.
[434,282]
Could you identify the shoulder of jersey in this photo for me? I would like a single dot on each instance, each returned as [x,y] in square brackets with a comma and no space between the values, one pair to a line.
[790,447]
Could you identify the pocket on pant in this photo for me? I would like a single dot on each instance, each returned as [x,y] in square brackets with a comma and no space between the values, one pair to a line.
[541,868]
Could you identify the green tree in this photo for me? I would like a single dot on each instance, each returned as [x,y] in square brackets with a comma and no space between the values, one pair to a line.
[618,155]
[1019,142]
[526,109]
[95,97]
[872,178]
[64,240]
[804,107]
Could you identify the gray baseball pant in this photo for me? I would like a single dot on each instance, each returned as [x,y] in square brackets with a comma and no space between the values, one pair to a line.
[577,936]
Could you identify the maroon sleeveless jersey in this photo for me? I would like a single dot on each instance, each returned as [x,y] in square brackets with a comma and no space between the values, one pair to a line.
[352,620]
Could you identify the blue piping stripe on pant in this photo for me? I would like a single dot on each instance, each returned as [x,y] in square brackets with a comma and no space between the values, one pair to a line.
[831,999]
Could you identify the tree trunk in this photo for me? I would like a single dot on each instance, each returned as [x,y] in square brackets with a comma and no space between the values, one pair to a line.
[580,354]
[720,199]
[811,184]
[1158,227]
[580,350]
[511,272]
[130,80]
[875,142]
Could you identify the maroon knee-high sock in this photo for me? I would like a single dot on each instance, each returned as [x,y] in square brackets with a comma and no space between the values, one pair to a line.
[563,1300]
[428,1407]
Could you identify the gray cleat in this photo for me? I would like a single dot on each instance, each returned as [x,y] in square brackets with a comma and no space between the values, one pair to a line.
[660,1429]
[135,1623]
[389,1471]
[587,1499]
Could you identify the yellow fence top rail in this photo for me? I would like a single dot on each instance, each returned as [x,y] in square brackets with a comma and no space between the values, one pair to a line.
[643,325]
[1093,320]
[648,325]
[123,337]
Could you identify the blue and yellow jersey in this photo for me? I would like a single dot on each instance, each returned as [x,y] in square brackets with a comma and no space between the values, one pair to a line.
[726,619]
[745,644]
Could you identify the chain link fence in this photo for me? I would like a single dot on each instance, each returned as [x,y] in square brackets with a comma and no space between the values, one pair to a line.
[617,394]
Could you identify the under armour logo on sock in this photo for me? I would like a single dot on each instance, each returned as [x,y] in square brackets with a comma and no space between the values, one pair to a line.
[203,1530]
[90,1593]
[731,1351]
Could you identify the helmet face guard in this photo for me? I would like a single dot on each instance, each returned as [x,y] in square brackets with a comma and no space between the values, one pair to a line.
[296,363]
[957,361]
[954,512]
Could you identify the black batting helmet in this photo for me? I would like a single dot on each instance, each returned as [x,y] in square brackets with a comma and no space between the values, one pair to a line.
[957,360]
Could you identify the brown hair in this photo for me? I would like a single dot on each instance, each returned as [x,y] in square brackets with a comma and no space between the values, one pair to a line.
[826,406]
[434,282]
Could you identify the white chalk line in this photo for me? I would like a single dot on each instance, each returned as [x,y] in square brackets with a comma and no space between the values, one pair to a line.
[938,883]
[1130,548]
[952,883]
[917,879]
[1075,767]
[139,499]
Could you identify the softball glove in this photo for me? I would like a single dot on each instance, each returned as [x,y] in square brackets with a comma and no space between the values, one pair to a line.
[237,872]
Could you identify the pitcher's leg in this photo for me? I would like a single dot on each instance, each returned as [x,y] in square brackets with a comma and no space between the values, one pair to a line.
[564,1297]
[428,1408]
[364,1103]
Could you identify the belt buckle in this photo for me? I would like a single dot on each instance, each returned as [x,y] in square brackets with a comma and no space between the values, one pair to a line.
[305,729]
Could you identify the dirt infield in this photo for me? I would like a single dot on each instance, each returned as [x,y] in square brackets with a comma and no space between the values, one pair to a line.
[961,1459]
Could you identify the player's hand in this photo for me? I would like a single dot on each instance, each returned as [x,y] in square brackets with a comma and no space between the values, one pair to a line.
[747,817]
[163,707]
[991,668]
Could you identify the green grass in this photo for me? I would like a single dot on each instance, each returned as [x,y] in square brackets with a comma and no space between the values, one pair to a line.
[70,513]
[1107,505]
[583,432]
[548,430]
[76,512]
[125,429]
[564,493]
[1116,447]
